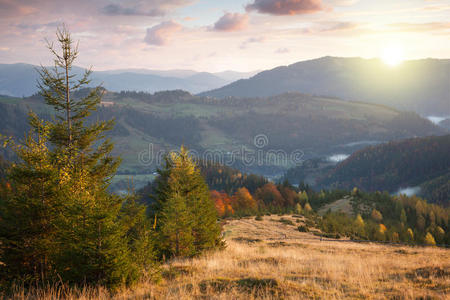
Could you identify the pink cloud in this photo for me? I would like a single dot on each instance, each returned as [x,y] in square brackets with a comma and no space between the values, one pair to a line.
[11,7]
[232,22]
[160,35]
[286,7]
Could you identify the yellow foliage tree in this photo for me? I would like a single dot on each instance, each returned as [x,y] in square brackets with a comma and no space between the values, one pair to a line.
[429,239]
[308,207]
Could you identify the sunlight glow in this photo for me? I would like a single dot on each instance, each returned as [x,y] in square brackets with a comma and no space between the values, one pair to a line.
[392,55]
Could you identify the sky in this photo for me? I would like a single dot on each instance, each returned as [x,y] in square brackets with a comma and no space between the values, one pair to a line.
[218,35]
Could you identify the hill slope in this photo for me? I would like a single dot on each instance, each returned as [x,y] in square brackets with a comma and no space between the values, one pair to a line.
[271,260]
[395,165]
[292,127]
[418,85]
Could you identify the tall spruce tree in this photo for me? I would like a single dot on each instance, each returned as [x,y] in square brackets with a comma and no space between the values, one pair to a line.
[95,242]
[29,208]
[187,214]
[73,225]
[140,236]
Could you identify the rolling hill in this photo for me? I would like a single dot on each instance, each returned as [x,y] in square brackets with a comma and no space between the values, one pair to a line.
[264,136]
[418,85]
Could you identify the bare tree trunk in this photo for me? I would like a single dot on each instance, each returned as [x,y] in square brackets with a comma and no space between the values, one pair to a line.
[69,121]
[177,243]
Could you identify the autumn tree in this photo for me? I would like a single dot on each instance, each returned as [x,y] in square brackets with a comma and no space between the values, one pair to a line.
[376,215]
[222,203]
[308,208]
[269,195]
[429,239]
[244,202]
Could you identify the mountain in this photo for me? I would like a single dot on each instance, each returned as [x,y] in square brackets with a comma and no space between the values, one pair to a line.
[418,85]
[20,79]
[414,164]
[258,135]
[233,75]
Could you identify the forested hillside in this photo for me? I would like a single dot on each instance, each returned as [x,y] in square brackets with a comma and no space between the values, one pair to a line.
[413,162]
[293,123]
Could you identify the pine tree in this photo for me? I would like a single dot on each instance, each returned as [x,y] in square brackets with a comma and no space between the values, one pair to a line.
[140,236]
[80,146]
[68,220]
[403,217]
[96,245]
[28,209]
[182,193]
[176,238]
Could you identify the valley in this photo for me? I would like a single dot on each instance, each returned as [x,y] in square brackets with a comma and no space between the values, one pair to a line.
[290,123]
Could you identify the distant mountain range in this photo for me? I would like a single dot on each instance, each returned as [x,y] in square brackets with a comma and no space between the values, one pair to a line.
[422,86]
[20,79]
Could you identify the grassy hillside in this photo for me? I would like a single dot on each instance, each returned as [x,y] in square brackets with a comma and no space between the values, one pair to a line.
[291,123]
[417,85]
[269,259]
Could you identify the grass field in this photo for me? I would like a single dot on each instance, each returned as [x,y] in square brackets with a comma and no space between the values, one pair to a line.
[270,259]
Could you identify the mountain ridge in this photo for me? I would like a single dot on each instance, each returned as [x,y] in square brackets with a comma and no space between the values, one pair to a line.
[418,85]
[19,79]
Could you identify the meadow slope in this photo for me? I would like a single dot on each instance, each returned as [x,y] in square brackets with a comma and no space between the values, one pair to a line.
[270,259]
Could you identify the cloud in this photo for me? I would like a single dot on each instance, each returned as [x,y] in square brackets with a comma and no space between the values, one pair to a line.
[143,7]
[282,51]
[253,40]
[343,2]
[16,8]
[160,35]
[118,10]
[232,22]
[286,7]
[339,26]
[419,27]
[37,26]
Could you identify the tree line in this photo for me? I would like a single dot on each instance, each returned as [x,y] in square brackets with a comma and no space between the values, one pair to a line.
[383,217]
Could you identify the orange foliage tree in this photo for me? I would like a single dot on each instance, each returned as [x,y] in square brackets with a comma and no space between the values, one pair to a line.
[222,202]
[243,200]
[269,195]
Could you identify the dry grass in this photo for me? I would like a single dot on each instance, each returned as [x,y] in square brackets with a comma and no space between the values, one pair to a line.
[271,260]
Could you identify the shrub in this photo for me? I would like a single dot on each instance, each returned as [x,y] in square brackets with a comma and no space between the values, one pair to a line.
[285,221]
[258,218]
[303,228]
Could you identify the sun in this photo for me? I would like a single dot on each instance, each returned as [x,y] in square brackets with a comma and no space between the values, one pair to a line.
[392,55]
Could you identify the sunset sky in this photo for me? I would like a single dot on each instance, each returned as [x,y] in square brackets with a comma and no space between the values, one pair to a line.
[217,35]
